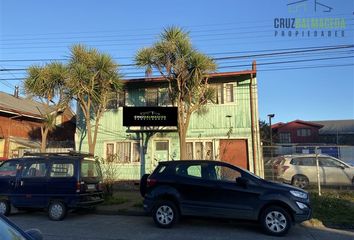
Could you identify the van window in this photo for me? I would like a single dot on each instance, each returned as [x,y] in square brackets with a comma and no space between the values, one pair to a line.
[35,169]
[62,170]
[89,169]
[8,169]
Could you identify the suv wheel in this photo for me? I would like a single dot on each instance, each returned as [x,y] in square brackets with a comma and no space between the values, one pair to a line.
[300,181]
[165,214]
[275,221]
[56,211]
[5,207]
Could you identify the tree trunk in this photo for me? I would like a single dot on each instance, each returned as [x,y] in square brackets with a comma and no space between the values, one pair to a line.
[182,144]
[44,133]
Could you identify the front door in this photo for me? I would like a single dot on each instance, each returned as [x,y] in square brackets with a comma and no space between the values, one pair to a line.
[161,152]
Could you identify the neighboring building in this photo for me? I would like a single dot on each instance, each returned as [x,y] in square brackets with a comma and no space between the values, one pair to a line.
[297,131]
[340,132]
[20,122]
[335,132]
[227,130]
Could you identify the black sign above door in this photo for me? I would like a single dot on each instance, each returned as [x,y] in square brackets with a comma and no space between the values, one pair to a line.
[149,116]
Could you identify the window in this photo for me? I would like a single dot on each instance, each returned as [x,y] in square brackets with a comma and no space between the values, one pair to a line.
[229,88]
[190,150]
[224,173]
[304,161]
[200,150]
[62,170]
[329,162]
[194,171]
[151,96]
[110,152]
[34,170]
[8,169]
[224,93]
[303,132]
[164,98]
[115,100]
[136,153]
[89,169]
[123,152]
[284,137]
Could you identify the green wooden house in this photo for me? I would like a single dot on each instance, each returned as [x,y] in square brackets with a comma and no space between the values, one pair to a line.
[226,130]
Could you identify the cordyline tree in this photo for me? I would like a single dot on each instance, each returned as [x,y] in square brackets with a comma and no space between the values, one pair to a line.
[47,84]
[185,69]
[91,77]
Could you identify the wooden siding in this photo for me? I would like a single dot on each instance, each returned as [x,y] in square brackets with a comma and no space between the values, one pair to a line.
[212,125]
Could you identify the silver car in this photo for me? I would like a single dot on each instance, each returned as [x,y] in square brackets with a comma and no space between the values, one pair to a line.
[301,170]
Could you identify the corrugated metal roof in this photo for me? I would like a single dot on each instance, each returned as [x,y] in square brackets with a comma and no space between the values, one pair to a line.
[336,126]
[22,106]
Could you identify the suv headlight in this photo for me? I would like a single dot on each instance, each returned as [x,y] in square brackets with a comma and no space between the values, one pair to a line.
[298,194]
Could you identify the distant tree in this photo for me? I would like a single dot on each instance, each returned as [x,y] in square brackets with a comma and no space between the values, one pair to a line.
[265,132]
[186,71]
[47,84]
[92,76]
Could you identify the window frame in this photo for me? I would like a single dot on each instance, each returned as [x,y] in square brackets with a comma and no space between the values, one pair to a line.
[131,149]
[204,143]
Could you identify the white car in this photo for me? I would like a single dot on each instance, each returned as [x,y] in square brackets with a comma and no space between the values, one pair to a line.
[301,170]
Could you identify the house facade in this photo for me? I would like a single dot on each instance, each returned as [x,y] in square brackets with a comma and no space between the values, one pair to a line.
[20,123]
[225,130]
[297,131]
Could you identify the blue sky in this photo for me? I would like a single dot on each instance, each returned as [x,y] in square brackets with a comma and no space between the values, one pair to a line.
[309,90]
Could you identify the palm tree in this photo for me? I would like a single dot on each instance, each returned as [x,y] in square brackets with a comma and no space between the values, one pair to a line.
[186,71]
[47,84]
[92,76]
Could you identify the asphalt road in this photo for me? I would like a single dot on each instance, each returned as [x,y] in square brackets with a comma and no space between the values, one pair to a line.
[104,227]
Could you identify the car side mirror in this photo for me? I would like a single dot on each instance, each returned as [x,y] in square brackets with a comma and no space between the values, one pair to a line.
[35,234]
[242,181]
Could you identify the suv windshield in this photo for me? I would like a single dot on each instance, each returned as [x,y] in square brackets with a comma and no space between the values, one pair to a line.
[90,168]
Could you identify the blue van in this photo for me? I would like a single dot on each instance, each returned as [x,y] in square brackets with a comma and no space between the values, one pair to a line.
[54,182]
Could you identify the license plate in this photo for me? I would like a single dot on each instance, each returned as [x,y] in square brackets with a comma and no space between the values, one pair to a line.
[91,187]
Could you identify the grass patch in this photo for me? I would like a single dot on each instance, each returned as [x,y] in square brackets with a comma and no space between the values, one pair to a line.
[138,205]
[115,200]
[334,209]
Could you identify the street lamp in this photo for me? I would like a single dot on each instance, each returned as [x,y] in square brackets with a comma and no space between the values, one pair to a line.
[270,127]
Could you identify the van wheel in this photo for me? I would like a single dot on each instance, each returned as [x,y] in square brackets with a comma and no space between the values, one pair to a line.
[300,181]
[5,207]
[275,221]
[57,211]
[165,214]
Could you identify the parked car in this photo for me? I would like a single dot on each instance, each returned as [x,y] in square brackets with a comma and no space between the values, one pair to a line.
[301,170]
[10,231]
[218,189]
[55,182]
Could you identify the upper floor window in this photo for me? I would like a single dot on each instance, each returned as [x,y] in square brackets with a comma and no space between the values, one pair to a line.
[285,137]
[229,93]
[116,99]
[151,96]
[304,132]
[224,93]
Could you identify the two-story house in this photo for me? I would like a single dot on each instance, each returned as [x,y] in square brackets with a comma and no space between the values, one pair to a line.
[225,130]
[20,123]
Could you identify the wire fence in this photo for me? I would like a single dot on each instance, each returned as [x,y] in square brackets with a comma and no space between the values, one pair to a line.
[311,167]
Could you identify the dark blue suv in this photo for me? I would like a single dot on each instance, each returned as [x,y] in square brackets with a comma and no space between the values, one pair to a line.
[55,182]
[220,190]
